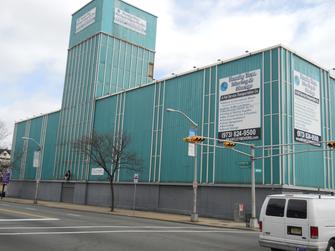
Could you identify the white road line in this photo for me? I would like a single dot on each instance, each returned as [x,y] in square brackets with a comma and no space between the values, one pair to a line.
[75,215]
[113,226]
[127,231]
[38,219]
[30,208]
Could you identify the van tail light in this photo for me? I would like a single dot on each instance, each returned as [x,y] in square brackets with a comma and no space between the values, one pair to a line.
[314,232]
[260,226]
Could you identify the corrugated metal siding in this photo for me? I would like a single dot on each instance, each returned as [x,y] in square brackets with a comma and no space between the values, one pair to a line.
[18,152]
[137,124]
[121,66]
[89,31]
[157,135]
[76,116]
[104,22]
[310,168]
[35,133]
[228,163]
[146,41]
[332,132]
[49,145]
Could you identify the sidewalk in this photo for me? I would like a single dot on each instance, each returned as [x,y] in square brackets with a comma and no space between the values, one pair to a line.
[211,222]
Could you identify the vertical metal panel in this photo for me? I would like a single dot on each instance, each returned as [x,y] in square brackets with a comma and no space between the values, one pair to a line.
[262,117]
[228,161]
[280,102]
[216,83]
[310,169]
[271,111]
[152,134]
[49,144]
[332,121]
[182,93]
[293,116]
[137,125]
[202,123]
[25,150]
[35,126]
[161,132]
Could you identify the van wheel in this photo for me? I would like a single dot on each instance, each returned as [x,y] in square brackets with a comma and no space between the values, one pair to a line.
[331,245]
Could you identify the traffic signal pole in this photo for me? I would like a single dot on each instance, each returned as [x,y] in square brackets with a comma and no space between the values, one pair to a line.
[194,140]
[253,220]
[194,215]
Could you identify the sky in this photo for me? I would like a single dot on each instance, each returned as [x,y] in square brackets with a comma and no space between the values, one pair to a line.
[34,37]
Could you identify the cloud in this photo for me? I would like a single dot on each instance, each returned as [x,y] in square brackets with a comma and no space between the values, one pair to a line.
[23,107]
[190,34]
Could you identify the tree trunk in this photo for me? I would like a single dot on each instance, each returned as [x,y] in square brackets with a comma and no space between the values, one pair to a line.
[112,194]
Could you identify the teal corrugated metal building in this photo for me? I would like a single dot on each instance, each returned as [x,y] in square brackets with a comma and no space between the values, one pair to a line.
[109,88]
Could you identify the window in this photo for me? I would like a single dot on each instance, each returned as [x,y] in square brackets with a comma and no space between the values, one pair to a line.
[151,70]
[275,207]
[297,209]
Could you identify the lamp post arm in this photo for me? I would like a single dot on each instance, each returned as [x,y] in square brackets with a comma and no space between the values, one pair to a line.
[39,146]
[182,113]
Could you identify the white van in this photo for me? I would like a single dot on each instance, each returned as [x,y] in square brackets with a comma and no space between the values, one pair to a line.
[298,222]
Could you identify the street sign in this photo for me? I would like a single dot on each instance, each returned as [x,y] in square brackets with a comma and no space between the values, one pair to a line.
[191,146]
[244,163]
[191,149]
[136,178]
[97,171]
[36,161]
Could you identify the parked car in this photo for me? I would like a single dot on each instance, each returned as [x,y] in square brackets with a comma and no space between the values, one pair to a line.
[298,222]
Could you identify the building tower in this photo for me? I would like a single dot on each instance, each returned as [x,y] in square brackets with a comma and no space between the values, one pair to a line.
[111,48]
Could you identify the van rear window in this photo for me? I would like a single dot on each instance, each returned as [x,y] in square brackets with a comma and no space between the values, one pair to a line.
[275,207]
[297,209]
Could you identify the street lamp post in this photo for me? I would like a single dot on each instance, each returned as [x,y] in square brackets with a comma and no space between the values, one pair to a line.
[38,167]
[253,220]
[194,215]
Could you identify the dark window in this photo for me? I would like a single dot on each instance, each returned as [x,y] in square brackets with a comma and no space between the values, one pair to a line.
[275,207]
[297,209]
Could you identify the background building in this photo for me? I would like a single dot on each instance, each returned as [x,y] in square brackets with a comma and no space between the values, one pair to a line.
[269,97]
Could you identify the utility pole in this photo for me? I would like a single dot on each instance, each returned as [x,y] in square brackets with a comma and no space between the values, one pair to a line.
[37,165]
[194,215]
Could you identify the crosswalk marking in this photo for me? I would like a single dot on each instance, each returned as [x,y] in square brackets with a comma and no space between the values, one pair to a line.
[126,231]
[32,219]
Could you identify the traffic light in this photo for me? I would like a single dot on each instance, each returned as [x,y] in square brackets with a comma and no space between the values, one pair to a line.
[229,144]
[331,144]
[194,139]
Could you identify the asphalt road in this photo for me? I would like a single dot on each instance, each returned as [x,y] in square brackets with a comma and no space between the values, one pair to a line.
[27,227]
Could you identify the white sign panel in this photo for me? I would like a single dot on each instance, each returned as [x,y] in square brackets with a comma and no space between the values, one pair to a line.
[307,118]
[98,171]
[85,20]
[36,160]
[191,149]
[239,107]
[135,178]
[130,21]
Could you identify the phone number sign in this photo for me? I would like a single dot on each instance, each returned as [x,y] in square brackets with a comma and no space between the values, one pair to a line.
[239,107]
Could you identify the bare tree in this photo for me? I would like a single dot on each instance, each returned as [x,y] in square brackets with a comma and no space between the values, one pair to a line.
[3,132]
[109,152]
